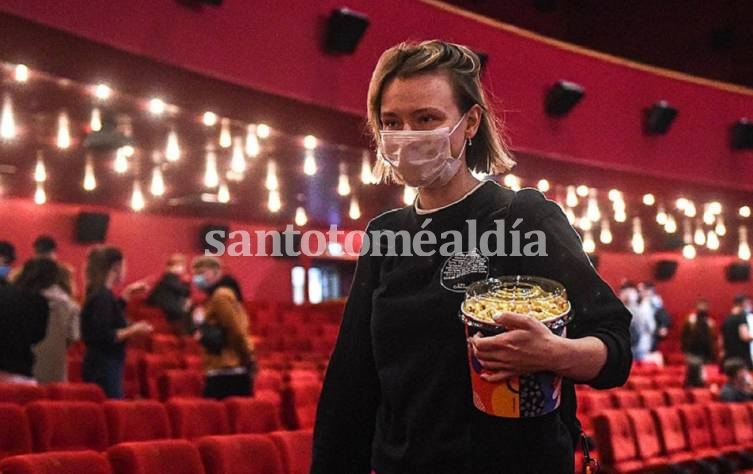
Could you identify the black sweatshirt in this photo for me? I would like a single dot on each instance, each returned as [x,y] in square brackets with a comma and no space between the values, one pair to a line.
[101,318]
[396,396]
[23,323]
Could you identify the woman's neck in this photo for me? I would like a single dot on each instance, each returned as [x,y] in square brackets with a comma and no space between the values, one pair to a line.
[460,185]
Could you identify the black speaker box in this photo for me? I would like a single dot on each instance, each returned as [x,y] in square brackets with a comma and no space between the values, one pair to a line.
[658,118]
[738,271]
[562,97]
[206,229]
[91,227]
[344,30]
[742,135]
[664,270]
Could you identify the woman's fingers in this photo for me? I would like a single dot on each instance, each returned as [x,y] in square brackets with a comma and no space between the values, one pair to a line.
[499,376]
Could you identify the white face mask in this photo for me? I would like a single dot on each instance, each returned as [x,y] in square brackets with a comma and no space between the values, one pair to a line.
[422,158]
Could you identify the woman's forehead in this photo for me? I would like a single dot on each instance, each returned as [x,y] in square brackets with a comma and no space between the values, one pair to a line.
[417,92]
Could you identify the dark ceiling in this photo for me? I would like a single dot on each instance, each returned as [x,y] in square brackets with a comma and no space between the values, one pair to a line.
[707,38]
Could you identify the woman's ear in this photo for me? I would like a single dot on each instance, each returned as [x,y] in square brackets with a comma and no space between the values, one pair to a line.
[474,121]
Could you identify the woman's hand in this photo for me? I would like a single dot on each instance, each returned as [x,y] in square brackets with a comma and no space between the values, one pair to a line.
[134,287]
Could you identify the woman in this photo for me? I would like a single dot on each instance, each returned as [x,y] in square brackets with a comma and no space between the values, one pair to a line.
[699,336]
[104,328]
[396,397]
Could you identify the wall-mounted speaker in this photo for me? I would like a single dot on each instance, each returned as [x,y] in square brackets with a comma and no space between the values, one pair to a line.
[562,97]
[658,118]
[220,234]
[741,135]
[91,227]
[738,271]
[344,30]
[665,270]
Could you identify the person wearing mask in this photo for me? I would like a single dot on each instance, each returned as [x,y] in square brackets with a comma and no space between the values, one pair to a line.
[739,385]
[104,328]
[698,336]
[736,333]
[23,320]
[171,295]
[663,319]
[642,324]
[397,394]
[223,332]
[7,258]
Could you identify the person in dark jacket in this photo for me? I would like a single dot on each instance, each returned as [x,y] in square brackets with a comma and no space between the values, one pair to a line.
[171,295]
[739,385]
[397,393]
[736,334]
[104,328]
[699,335]
[7,257]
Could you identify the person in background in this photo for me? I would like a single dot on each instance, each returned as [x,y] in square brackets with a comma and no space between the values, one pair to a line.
[663,319]
[7,258]
[643,323]
[47,247]
[104,328]
[739,385]
[698,336]
[23,321]
[171,295]
[223,332]
[63,329]
[736,333]
[695,373]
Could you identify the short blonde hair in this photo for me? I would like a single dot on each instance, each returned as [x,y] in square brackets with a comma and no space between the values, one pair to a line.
[203,262]
[489,153]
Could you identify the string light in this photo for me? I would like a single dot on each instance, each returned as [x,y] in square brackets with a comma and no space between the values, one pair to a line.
[273,203]
[343,182]
[157,187]
[263,130]
[7,121]
[661,215]
[605,236]
[571,199]
[209,119]
[271,183]
[688,251]
[226,139]
[90,181]
[592,209]
[681,203]
[40,196]
[720,228]
[64,132]
[715,207]
[355,210]
[744,211]
[157,106]
[620,215]
[570,214]
[129,151]
[211,176]
[712,241]
[223,193]
[367,177]
[102,91]
[137,197]
[300,217]
[95,123]
[21,73]
[649,199]
[589,246]
[614,194]
[637,242]
[543,185]
[671,226]
[582,190]
[708,217]
[238,160]
[172,149]
[409,195]
[309,142]
[121,160]
[40,171]
[252,142]
[512,182]
[309,163]
[743,249]
[699,237]
[690,210]
[585,223]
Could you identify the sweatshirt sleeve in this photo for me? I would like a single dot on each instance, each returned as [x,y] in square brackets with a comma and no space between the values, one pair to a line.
[597,310]
[97,321]
[346,414]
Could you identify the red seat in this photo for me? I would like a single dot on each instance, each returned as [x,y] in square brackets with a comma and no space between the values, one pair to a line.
[649,447]
[240,454]
[165,343]
[137,420]
[181,383]
[626,399]
[75,391]
[268,379]
[743,424]
[676,396]
[614,437]
[697,430]
[15,436]
[20,394]
[722,428]
[295,450]
[79,462]
[67,426]
[668,381]
[269,395]
[194,418]
[591,404]
[640,383]
[151,367]
[672,434]
[700,395]
[251,415]
[652,398]
[169,456]
[300,403]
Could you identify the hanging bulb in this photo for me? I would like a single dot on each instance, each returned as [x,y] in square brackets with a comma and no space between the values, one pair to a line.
[223,193]
[238,160]
[543,185]
[671,226]
[571,200]
[137,197]
[614,194]
[688,251]
[712,241]
[211,176]
[690,210]
[589,246]
[21,73]
[64,132]
[649,199]
[699,237]
[366,176]
[271,183]
[592,209]
[40,170]
[620,216]
[300,217]
[309,142]
[309,163]
[252,142]
[744,211]
[172,150]
[637,242]
[661,216]
[343,183]
[743,249]
[273,203]
[570,214]
[512,182]
[585,223]
[121,160]
[681,203]
[157,187]
[90,181]
[102,91]
[226,139]
[582,190]
[7,121]
[715,207]
[209,119]
[355,210]
[605,236]
[157,106]
[95,123]
[720,228]
[40,196]
[263,130]
[409,195]
[708,217]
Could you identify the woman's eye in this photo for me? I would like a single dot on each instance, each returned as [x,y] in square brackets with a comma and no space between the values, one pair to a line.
[390,124]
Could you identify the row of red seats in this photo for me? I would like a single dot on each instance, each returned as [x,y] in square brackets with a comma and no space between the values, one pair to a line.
[282,452]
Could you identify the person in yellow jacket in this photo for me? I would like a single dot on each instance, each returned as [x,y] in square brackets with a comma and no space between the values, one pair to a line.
[223,332]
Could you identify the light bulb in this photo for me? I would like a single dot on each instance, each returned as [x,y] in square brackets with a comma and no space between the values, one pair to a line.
[712,241]
[157,187]
[271,183]
[7,121]
[90,181]
[129,150]
[605,236]
[211,176]
[172,149]
[720,228]
[570,214]
[64,132]
[95,123]
[543,185]
[699,238]
[688,251]
[40,196]
[21,73]
[592,209]
[661,216]
[618,205]
[263,130]
[571,199]
[743,249]
[40,170]
[309,142]
[121,160]
[226,139]
[366,175]
[252,142]
[637,242]
[744,211]
[137,197]
[209,119]
[715,207]
[649,199]
[223,193]
[309,163]
[300,217]
[671,226]
[582,190]
[589,246]
[620,216]
[238,160]
[157,106]
[102,91]
[681,203]
[409,195]
[273,203]
[355,210]
[585,223]
[708,217]
[690,210]
[512,182]
[343,182]
[614,194]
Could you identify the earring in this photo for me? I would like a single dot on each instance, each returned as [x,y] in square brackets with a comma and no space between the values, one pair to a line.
[470,143]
